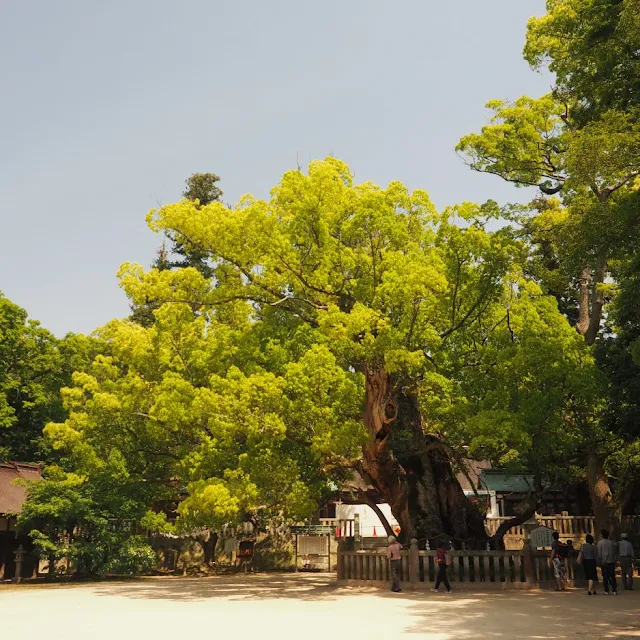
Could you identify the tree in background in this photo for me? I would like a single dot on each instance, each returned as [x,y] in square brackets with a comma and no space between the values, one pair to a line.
[202,189]
[68,517]
[34,366]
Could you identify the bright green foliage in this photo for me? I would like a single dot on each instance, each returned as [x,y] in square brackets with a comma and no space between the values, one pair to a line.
[376,278]
[534,143]
[365,266]
[247,390]
[591,46]
[172,407]
[525,143]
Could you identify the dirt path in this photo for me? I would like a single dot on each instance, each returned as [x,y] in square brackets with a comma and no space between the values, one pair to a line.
[305,607]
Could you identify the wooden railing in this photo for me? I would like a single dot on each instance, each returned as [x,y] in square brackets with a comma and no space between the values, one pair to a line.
[569,526]
[482,569]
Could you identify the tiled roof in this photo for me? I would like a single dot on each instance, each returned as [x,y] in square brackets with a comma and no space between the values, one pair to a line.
[12,496]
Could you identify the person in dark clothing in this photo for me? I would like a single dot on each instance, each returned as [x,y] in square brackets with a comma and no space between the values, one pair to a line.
[442,561]
[587,558]
[606,555]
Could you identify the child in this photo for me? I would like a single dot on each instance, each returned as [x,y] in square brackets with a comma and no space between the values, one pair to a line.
[442,561]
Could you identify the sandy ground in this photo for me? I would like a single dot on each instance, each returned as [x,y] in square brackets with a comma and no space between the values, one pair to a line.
[305,607]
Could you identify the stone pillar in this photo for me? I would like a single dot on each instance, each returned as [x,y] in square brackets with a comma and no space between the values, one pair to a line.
[19,557]
[356,532]
[414,562]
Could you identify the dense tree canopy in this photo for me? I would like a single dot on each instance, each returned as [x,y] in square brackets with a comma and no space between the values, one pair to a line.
[367,293]
[580,144]
[278,345]
[34,366]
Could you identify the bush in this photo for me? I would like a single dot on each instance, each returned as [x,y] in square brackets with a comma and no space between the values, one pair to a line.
[134,556]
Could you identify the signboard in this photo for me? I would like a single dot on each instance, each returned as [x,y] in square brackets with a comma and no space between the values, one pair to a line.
[313,529]
[541,537]
[312,545]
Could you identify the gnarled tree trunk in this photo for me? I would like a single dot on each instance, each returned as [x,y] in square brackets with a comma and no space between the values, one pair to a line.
[606,510]
[412,471]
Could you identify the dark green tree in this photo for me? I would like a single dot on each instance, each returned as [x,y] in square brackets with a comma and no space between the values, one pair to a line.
[178,251]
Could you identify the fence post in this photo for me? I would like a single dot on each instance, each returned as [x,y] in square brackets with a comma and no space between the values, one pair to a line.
[414,562]
[529,564]
[529,560]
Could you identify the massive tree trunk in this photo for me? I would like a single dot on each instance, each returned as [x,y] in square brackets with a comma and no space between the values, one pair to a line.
[605,509]
[411,470]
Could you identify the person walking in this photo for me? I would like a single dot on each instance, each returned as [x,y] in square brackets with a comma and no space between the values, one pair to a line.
[606,557]
[442,561]
[393,554]
[627,561]
[587,558]
[559,554]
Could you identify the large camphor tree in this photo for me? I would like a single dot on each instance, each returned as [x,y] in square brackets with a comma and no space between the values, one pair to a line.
[399,301]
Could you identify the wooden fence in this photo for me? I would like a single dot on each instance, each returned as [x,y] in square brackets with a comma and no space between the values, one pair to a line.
[569,526]
[521,569]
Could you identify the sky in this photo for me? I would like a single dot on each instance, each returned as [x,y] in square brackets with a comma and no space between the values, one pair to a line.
[107,107]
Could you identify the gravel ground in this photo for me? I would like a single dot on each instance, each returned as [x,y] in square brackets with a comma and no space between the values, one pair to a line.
[305,607]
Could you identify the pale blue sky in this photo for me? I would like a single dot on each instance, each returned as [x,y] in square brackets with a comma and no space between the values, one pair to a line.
[108,106]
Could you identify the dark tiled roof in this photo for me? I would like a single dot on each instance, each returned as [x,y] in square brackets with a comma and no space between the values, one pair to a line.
[12,496]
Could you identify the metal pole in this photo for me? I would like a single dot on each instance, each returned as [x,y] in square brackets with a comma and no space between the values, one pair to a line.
[295,547]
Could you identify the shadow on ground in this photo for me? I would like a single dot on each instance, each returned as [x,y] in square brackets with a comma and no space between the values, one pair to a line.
[247,587]
[540,615]
[465,614]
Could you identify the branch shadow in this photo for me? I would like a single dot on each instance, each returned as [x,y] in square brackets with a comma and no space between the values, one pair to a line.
[238,587]
[464,614]
[529,614]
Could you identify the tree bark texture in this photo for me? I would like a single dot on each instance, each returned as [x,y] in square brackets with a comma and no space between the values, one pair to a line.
[525,510]
[584,311]
[605,509]
[412,470]
[590,308]
[597,300]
